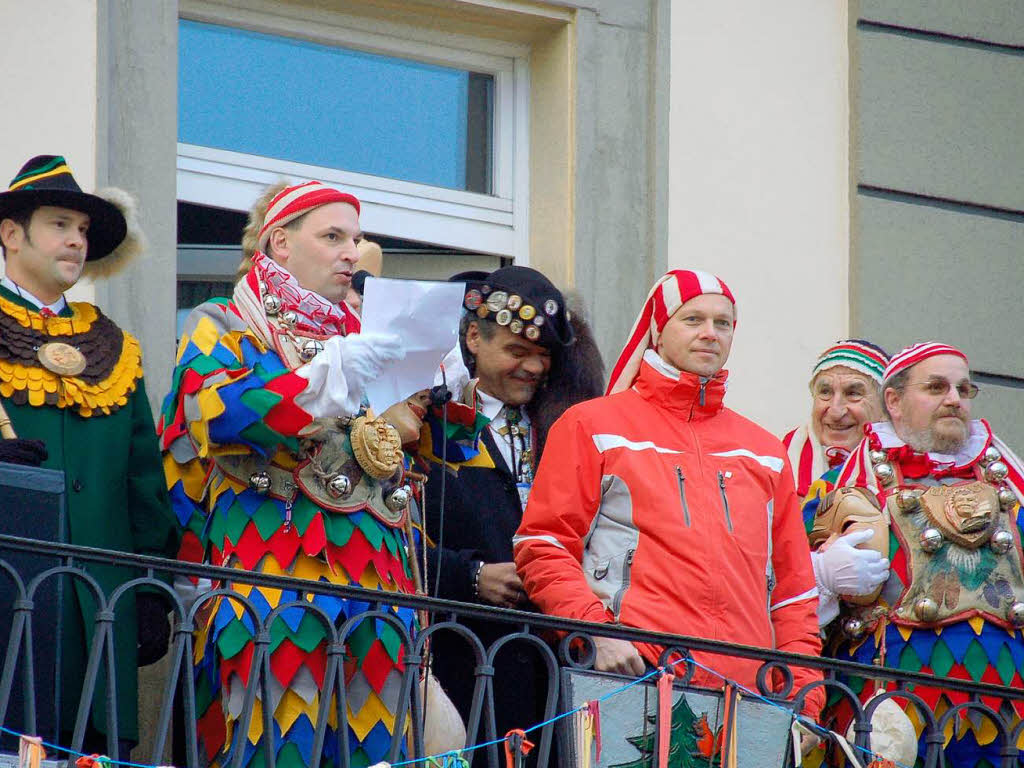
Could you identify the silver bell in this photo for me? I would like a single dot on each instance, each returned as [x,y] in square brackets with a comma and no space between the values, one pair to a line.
[996,472]
[310,349]
[398,499]
[853,627]
[338,486]
[908,501]
[877,457]
[259,481]
[931,539]
[1001,541]
[272,304]
[884,472]
[290,317]
[991,454]
[1015,613]
[1006,498]
[927,609]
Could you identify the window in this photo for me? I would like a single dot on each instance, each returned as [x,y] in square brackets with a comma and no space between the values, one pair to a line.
[431,137]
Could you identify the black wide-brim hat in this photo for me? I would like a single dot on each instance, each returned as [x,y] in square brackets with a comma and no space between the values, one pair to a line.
[47,180]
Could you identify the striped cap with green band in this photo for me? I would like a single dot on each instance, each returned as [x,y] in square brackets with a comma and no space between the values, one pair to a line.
[854,354]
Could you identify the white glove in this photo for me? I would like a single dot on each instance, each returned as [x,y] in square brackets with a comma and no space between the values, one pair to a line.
[842,569]
[339,374]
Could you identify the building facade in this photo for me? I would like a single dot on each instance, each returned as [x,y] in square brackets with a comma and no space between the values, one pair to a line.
[849,168]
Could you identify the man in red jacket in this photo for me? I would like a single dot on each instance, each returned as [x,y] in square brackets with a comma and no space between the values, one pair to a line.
[658,507]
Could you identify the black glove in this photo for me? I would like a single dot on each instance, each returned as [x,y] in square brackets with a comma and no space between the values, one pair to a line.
[31,453]
[154,628]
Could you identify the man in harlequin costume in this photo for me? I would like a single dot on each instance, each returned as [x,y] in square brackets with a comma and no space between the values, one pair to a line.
[940,495]
[658,507]
[846,395]
[71,382]
[846,389]
[274,466]
[529,358]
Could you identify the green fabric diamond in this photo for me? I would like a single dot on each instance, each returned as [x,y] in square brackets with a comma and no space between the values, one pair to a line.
[233,638]
[942,660]
[975,660]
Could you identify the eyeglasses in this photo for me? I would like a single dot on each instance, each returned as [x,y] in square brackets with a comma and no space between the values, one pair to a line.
[940,387]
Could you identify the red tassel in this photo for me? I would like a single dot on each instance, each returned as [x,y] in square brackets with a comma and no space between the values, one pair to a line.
[516,747]
[664,716]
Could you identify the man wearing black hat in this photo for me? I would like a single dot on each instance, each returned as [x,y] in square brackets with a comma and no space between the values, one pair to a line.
[71,384]
[529,359]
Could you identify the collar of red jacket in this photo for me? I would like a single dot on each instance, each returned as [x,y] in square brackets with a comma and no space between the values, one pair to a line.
[679,390]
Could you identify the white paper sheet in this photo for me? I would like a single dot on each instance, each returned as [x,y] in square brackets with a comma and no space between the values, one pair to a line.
[425,315]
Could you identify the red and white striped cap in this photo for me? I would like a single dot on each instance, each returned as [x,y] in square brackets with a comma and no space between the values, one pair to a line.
[291,202]
[668,295]
[915,354]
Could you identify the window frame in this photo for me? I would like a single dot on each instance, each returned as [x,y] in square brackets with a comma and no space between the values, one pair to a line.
[497,224]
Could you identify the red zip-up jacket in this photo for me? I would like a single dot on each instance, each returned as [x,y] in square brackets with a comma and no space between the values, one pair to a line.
[659,508]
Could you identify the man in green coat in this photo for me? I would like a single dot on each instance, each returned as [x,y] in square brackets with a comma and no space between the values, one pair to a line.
[71,383]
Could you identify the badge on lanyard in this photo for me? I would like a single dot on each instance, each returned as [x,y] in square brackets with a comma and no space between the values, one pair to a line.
[524,493]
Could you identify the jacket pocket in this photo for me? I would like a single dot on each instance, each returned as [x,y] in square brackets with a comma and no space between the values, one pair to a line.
[627,567]
[682,495]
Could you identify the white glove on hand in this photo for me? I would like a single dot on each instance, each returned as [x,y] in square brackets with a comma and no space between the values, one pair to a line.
[842,569]
[339,374]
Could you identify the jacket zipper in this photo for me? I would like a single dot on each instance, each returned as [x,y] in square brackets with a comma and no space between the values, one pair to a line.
[725,499]
[703,385]
[626,567]
[682,496]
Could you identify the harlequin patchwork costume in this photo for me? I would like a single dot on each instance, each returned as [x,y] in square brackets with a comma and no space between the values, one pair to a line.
[643,489]
[273,467]
[808,457]
[72,379]
[954,602]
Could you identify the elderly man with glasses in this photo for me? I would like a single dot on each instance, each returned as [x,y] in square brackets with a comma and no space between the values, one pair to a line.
[939,495]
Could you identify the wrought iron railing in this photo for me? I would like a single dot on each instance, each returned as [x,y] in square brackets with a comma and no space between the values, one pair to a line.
[574,651]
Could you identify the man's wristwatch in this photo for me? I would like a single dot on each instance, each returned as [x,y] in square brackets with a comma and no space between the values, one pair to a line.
[476,579]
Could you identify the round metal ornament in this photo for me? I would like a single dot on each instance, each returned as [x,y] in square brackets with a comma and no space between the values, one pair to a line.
[515,302]
[1015,613]
[497,301]
[272,304]
[853,627]
[551,307]
[516,326]
[60,358]
[1007,498]
[908,501]
[1001,541]
[398,499]
[482,311]
[528,312]
[931,539]
[877,457]
[290,317]
[473,299]
[504,317]
[310,349]
[991,454]
[996,472]
[539,320]
[885,472]
[338,486]
[926,609]
[259,481]
[532,332]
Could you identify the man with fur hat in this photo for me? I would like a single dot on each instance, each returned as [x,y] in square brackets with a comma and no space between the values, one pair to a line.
[71,382]
[939,495]
[274,465]
[530,358]
[658,507]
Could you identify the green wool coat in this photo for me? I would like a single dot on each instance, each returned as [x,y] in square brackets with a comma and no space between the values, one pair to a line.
[116,499]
